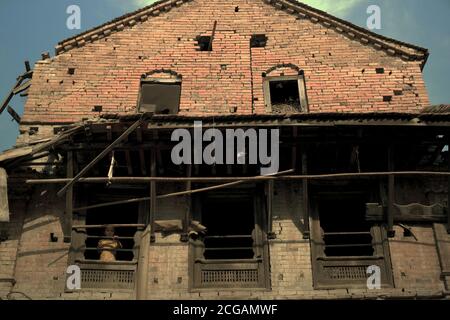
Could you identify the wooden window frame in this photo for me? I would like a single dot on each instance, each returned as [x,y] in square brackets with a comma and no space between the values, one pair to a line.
[320,262]
[260,264]
[121,268]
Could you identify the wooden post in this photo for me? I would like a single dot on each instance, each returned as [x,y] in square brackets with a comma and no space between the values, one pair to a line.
[69,201]
[212,36]
[294,149]
[305,193]
[270,190]
[142,276]
[152,193]
[188,212]
[391,193]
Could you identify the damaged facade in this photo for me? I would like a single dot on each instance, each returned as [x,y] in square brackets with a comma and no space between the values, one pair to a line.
[363,178]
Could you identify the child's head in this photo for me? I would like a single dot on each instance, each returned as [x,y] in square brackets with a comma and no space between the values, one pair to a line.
[109,231]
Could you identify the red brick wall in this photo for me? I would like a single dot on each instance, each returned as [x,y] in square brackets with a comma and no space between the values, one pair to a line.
[340,72]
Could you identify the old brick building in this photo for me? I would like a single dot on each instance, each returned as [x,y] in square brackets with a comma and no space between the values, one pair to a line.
[363,171]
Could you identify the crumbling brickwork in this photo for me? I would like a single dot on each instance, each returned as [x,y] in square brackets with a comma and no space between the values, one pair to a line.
[340,71]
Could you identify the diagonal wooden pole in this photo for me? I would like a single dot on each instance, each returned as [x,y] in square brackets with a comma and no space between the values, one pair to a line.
[100,157]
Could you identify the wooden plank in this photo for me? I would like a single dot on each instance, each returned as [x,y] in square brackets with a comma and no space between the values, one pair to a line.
[4,207]
[100,157]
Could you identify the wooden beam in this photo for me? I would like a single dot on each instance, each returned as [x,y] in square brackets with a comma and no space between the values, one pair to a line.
[69,201]
[174,194]
[14,114]
[129,163]
[213,35]
[22,87]
[188,212]
[305,196]
[145,180]
[294,149]
[100,157]
[11,94]
[142,272]
[391,193]
[99,226]
[270,190]
[153,193]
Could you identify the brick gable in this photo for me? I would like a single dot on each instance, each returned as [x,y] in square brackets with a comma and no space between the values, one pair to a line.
[340,68]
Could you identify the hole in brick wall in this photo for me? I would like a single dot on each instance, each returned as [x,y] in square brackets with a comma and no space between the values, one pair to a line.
[258,41]
[160,98]
[236,9]
[203,43]
[71,71]
[398,92]
[33,130]
[329,53]
[387,98]
[379,70]
[363,70]
[53,238]
[390,73]
[179,39]
[97,109]
[284,95]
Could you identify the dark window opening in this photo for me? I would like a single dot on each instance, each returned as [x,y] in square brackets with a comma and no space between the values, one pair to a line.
[160,98]
[203,43]
[258,41]
[96,237]
[230,224]
[344,228]
[285,96]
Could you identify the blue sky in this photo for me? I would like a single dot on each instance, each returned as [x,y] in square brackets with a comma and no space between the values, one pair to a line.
[28,28]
